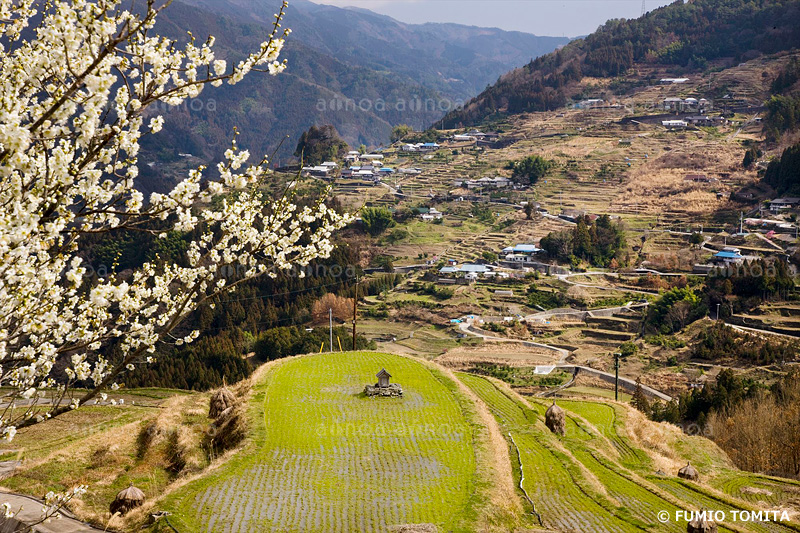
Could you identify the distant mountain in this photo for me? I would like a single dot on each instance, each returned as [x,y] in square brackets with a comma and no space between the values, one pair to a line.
[686,37]
[360,71]
[456,60]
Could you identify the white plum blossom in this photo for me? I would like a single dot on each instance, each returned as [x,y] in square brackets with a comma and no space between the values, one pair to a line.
[78,82]
[156,123]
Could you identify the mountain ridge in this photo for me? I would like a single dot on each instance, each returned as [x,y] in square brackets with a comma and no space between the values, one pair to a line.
[361,72]
[679,38]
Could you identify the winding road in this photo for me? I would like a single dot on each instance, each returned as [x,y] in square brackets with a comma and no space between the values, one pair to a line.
[468,328]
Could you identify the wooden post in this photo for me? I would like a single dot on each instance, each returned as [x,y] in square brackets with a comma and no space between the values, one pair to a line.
[355,314]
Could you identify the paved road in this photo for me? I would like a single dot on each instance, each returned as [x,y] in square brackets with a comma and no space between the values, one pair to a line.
[581,315]
[565,279]
[29,510]
[470,329]
[756,331]
[626,383]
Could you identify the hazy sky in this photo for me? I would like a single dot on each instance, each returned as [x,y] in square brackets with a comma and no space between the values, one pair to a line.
[543,17]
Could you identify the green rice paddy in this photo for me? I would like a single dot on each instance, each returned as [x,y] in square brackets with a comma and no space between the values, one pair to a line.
[595,479]
[327,458]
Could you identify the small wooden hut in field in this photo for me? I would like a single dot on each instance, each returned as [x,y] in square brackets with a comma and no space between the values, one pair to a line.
[126,500]
[383,387]
[701,524]
[220,401]
[689,472]
[383,378]
[555,419]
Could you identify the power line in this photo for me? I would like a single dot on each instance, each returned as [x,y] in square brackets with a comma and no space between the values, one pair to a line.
[275,294]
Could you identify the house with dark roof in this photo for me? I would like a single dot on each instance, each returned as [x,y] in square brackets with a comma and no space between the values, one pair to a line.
[571,215]
[780,204]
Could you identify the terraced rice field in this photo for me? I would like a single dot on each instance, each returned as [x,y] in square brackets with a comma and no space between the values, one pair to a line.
[595,479]
[550,477]
[327,458]
[607,421]
[702,498]
[757,489]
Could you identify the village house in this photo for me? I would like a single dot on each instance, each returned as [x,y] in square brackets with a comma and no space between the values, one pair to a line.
[429,215]
[571,215]
[727,258]
[520,253]
[705,120]
[781,204]
[317,171]
[428,147]
[675,124]
[465,272]
[497,182]
[590,103]
[700,120]
[673,104]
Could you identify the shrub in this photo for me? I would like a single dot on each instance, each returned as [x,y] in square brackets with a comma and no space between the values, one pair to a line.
[376,220]
[531,169]
[665,341]
[627,349]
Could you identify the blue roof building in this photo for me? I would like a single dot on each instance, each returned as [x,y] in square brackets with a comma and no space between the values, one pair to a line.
[478,269]
[465,269]
[522,249]
[726,256]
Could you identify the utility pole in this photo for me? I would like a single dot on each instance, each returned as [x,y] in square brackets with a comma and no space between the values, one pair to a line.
[616,376]
[741,222]
[330,325]
[717,311]
[355,314]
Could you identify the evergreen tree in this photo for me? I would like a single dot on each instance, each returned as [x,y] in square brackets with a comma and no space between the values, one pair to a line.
[639,400]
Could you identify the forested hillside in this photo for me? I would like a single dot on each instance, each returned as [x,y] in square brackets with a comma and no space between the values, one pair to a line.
[456,60]
[685,36]
[360,72]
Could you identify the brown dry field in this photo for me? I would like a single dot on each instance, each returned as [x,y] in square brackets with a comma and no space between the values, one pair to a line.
[506,353]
